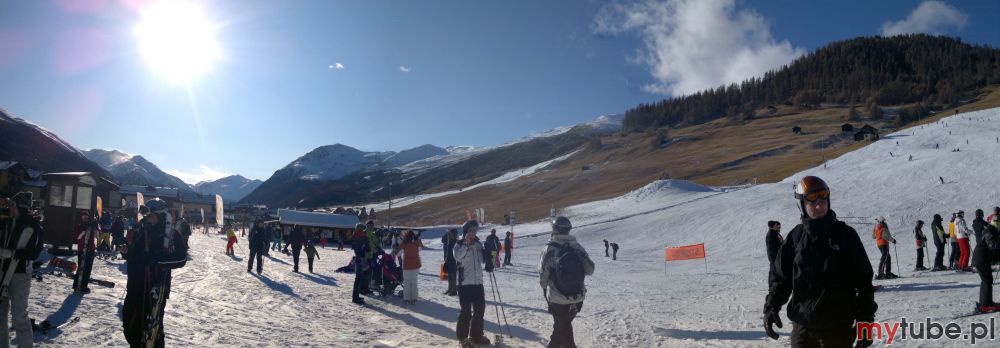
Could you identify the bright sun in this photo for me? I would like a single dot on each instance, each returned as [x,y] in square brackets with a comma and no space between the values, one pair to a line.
[177,40]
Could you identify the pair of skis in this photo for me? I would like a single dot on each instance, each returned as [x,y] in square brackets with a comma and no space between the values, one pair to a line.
[13,263]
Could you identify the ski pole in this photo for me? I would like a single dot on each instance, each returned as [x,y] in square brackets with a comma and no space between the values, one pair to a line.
[896,250]
[500,300]
[496,306]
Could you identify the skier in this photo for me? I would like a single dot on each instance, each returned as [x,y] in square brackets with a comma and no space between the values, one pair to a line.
[773,240]
[118,232]
[373,250]
[492,247]
[606,254]
[296,239]
[86,236]
[155,250]
[257,245]
[993,218]
[921,239]
[940,242]
[962,235]
[986,253]
[310,254]
[942,179]
[882,238]
[18,224]
[448,242]
[614,251]
[231,237]
[470,258]
[410,248]
[563,266]
[953,258]
[360,245]
[508,248]
[978,224]
[828,294]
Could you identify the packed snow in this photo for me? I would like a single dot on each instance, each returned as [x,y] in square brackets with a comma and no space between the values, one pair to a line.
[636,301]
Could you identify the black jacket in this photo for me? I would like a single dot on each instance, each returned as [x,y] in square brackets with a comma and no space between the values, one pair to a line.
[823,266]
[977,227]
[773,240]
[258,238]
[492,243]
[935,226]
[448,245]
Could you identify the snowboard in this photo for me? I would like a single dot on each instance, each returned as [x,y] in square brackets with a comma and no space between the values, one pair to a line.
[63,264]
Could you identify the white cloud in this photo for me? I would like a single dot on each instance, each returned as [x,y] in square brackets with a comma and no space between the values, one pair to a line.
[206,174]
[693,45]
[404,69]
[337,66]
[930,17]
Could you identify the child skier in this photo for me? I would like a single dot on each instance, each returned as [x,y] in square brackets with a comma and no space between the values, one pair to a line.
[310,254]
[231,236]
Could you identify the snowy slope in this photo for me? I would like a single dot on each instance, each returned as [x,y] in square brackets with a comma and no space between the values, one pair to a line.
[633,302]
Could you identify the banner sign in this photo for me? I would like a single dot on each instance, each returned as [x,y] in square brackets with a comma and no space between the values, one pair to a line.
[687,252]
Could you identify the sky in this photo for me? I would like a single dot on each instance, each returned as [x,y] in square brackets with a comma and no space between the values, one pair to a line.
[255,84]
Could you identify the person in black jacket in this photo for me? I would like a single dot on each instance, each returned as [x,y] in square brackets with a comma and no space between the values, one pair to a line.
[258,246]
[296,239]
[977,226]
[448,244]
[918,235]
[823,266]
[773,240]
[359,242]
[939,242]
[508,248]
[19,289]
[492,247]
[983,258]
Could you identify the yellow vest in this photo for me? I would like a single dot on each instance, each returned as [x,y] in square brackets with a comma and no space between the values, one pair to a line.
[951,229]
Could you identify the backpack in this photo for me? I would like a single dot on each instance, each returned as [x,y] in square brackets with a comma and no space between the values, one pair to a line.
[567,277]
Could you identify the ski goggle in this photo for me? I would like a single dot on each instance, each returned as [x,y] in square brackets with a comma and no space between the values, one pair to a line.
[816,196]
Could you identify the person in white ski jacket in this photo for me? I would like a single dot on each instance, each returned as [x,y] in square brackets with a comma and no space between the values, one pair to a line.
[471,259]
[962,235]
[562,307]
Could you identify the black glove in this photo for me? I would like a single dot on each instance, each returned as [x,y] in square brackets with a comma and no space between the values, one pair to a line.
[894,241]
[489,267]
[771,318]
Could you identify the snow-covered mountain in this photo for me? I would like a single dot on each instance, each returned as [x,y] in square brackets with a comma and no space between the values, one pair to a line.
[38,148]
[232,188]
[134,169]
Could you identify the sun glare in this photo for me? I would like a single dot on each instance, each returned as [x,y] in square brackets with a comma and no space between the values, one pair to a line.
[177,40]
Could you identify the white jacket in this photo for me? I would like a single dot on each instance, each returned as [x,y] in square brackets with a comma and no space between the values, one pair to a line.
[469,259]
[961,229]
[548,263]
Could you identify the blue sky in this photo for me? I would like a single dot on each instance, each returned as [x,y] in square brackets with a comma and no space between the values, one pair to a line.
[410,72]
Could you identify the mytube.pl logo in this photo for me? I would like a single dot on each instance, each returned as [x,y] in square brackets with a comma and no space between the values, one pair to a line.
[903,330]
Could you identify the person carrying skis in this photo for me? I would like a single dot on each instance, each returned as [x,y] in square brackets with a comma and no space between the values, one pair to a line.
[448,242]
[508,248]
[310,254]
[986,253]
[921,240]
[962,235]
[562,268]
[296,239]
[882,238]
[940,242]
[257,245]
[86,244]
[231,239]
[410,248]
[21,238]
[360,245]
[492,247]
[823,266]
[470,258]
[156,249]
[773,240]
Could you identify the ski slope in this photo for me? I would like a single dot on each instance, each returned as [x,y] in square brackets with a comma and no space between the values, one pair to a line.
[635,301]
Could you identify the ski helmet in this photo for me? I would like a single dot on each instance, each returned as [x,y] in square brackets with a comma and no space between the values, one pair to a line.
[979,213]
[880,219]
[937,218]
[156,206]
[961,214]
[811,188]
[471,224]
[561,225]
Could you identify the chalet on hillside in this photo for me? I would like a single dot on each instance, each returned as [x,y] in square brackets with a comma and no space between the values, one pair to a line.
[866,133]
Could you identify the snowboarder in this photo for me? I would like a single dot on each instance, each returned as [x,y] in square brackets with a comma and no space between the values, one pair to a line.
[773,240]
[606,254]
[310,254]
[563,265]
[940,242]
[962,235]
[448,242]
[360,245]
[614,251]
[882,238]
[492,247]
[15,226]
[258,246]
[470,261]
[828,294]
[410,248]
[296,239]
[231,239]
[986,253]
[508,248]
[921,239]
[86,236]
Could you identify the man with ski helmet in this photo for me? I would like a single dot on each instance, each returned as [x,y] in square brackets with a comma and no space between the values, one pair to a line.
[470,260]
[561,271]
[962,235]
[823,266]
[21,240]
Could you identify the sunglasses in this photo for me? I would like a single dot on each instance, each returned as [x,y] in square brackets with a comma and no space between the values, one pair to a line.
[817,196]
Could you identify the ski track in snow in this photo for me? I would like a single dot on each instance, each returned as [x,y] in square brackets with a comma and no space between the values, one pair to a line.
[634,302]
